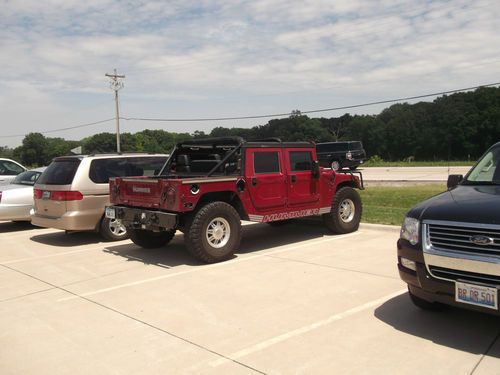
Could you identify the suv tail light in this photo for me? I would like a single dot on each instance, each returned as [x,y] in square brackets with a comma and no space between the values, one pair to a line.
[348,155]
[59,195]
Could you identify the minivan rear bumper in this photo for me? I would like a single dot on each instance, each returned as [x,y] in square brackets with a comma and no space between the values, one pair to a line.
[70,220]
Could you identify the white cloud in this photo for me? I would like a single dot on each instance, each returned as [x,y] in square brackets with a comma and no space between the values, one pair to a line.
[220,57]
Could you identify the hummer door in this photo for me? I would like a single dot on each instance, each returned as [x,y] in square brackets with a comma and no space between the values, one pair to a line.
[303,188]
[266,183]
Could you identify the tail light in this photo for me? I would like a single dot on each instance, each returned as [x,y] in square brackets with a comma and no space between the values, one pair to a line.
[348,155]
[37,193]
[66,196]
[59,195]
[0,196]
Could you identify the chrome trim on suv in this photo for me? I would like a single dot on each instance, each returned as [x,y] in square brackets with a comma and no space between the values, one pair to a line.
[448,244]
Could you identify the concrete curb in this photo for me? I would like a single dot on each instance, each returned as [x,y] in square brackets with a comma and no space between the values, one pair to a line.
[383,227]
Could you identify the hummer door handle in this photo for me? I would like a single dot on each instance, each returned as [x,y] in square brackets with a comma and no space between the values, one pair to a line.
[254,181]
[294,178]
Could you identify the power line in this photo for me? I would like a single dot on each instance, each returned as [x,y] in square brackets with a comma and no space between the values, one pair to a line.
[61,129]
[310,111]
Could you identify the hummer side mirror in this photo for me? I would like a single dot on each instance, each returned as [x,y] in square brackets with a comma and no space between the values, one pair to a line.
[454,180]
[315,169]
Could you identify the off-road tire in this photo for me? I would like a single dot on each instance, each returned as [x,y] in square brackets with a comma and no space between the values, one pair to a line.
[345,214]
[149,239]
[423,304]
[214,233]
[335,165]
[111,230]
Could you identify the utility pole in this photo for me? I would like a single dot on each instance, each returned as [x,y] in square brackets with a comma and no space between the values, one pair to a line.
[116,85]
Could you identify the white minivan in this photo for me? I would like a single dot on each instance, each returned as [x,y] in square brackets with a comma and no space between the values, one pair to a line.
[72,192]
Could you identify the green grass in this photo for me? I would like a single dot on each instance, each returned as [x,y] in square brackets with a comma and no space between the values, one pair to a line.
[381,163]
[389,204]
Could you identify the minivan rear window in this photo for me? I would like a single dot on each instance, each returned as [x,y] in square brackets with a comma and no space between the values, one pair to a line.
[59,172]
[102,169]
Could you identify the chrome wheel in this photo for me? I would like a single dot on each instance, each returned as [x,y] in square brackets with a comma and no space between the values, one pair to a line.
[347,210]
[218,232]
[335,165]
[117,228]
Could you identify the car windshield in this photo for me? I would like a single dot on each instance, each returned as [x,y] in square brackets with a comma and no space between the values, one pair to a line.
[487,169]
[26,178]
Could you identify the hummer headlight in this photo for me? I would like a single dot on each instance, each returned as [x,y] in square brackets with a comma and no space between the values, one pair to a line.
[409,230]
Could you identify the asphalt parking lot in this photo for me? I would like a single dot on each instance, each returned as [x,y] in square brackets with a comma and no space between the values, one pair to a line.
[294,300]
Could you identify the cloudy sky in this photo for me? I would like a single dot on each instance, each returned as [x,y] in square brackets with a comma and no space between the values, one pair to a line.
[196,59]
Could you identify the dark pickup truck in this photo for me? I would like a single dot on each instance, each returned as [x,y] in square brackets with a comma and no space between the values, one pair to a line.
[449,249]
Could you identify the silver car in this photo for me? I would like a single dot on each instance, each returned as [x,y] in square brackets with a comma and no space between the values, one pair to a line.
[16,198]
[9,169]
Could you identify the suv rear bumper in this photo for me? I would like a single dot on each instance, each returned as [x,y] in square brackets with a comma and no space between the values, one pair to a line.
[424,285]
[138,218]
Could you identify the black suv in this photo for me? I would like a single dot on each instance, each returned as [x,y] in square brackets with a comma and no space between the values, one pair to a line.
[339,155]
[449,249]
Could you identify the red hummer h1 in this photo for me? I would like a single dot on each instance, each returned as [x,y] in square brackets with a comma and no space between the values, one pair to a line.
[208,186]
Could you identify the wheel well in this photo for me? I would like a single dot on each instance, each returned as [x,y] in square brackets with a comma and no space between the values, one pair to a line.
[229,197]
[351,184]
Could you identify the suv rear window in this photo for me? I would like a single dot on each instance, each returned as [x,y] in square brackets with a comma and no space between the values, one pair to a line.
[102,169]
[333,146]
[59,172]
[339,146]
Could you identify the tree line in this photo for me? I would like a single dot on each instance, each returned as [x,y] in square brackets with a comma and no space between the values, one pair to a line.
[455,127]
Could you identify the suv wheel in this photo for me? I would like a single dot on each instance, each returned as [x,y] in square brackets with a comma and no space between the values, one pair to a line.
[335,165]
[345,214]
[149,239]
[214,233]
[112,230]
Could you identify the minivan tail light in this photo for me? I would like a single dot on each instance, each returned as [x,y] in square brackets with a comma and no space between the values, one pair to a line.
[66,196]
[37,193]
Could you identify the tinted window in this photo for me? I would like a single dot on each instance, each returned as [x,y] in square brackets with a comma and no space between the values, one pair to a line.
[102,169]
[355,146]
[8,168]
[26,178]
[60,172]
[266,162]
[332,147]
[300,161]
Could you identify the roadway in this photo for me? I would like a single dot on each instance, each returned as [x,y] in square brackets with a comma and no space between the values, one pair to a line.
[409,175]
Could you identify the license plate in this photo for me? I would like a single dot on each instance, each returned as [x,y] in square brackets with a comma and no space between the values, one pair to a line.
[46,195]
[110,213]
[478,295]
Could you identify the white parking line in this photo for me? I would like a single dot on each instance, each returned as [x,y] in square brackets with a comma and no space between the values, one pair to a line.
[280,249]
[300,331]
[54,255]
